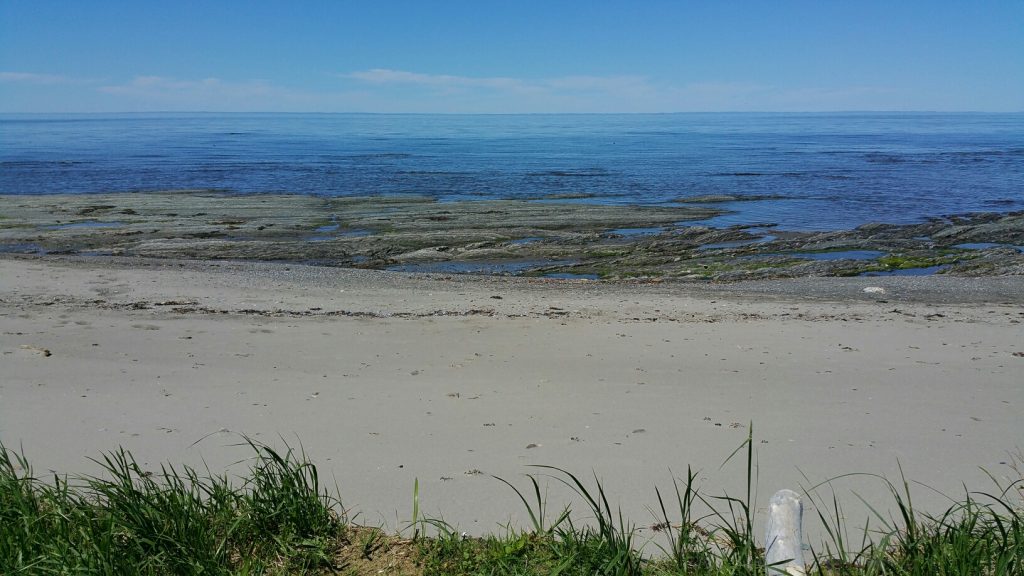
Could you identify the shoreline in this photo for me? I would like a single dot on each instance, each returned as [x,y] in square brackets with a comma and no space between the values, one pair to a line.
[386,378]
[936,289]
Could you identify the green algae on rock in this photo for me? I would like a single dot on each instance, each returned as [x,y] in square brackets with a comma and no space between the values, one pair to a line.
[409,232]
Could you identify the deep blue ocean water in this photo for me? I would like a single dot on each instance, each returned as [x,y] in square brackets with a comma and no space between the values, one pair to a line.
[828,171]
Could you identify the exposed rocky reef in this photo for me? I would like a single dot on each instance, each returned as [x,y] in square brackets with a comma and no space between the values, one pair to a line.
[537,238]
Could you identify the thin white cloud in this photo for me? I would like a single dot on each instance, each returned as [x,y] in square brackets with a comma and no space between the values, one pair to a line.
[718,89]
[385,76]
[597,83]
[215,94]
[33,78]
[389,90]
[845,98]
[581,93]
[733,96]
[164,86]
[453,93]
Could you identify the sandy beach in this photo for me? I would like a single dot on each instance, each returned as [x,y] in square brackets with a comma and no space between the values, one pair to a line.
[385,378]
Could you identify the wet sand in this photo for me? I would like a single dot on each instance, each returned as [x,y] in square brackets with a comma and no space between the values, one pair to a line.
[385,378]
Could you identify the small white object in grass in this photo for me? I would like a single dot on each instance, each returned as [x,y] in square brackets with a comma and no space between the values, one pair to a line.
[874,290]
[783,539]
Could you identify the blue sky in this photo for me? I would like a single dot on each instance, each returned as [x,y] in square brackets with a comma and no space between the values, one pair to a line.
[510,56]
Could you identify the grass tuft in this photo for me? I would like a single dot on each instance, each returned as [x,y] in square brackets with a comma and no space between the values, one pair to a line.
[127,520]
[280,520]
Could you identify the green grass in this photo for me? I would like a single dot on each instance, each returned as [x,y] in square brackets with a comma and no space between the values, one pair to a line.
[176,521]
[279,519]
[906,261]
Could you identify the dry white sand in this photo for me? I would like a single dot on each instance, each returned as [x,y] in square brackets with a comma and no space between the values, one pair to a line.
[386,378]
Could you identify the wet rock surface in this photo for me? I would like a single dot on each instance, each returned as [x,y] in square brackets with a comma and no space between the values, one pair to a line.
[561,239]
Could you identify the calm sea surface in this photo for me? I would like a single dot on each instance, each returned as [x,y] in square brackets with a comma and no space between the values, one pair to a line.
[823,171]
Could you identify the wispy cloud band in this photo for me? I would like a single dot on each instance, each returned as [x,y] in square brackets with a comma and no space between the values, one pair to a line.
[390,90]
[33,78]
[386,76]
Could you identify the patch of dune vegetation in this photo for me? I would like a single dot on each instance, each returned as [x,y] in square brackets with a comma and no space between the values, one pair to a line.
[280,519]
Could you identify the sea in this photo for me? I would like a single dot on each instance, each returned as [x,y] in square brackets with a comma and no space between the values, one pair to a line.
[811,171]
